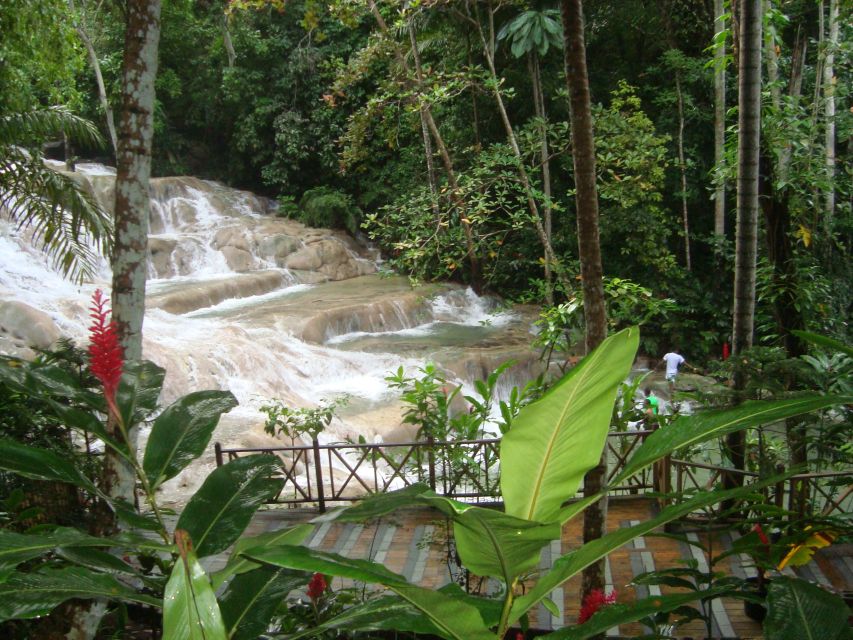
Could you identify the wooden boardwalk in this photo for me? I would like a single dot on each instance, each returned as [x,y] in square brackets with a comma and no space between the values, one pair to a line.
[415,543]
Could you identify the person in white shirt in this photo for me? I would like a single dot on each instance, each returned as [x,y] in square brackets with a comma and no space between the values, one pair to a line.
[673,360]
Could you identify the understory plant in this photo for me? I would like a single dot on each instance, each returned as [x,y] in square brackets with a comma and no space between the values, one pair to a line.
[154,563]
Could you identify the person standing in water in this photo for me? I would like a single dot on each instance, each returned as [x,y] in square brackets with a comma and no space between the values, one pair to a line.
[673,361]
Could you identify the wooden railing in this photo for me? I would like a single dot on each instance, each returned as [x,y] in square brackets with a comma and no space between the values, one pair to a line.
[469,471]
[805,494]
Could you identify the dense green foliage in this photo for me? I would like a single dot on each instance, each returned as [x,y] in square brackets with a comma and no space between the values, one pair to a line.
[552,443]
[323,107]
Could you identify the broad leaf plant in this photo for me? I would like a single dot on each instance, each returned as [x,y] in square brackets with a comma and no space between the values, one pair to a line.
[543,459]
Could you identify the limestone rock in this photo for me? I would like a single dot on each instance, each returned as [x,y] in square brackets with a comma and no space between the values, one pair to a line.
[24,326]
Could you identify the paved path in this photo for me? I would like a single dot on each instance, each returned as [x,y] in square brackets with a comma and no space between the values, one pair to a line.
[416,544]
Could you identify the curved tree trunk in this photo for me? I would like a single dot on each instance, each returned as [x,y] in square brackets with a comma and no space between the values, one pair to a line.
[444,154]
[589,248]
[544,156]
[431,178]
[749,131]
[682,167]
[99,79]
[488,49]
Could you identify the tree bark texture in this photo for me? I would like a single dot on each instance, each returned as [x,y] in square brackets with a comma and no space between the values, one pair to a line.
[746,242]
[132,204]
[829,113]
[682,166]
[431,177]
[719,122]
[589,249]
[544,156]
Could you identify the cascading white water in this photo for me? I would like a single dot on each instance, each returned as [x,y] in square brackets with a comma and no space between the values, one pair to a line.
[242,300]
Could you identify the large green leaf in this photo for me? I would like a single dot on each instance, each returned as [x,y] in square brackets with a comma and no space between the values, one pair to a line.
[190,610]
[181,433]
[27,595]
[616,614]
[41,464]
[238,564]
[454,618]
[55,382]
[250,599]
[573,563]
[96,559]
[378,504]
[799,610]
[16,548]
[491,543]
[221,509]
[687,430]
[139,391]
[87,422]
[557,439]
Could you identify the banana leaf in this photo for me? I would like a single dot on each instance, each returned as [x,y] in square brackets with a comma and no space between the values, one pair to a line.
[190,610]
[573,563]
[454,618]
[557,439]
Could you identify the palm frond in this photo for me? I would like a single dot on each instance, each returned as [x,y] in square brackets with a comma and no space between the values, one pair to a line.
[65,221]
[32,126]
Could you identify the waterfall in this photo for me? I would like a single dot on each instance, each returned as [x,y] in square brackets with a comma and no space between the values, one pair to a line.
[268,308]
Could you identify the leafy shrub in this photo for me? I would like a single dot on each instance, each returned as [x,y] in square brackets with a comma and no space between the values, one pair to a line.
[329,208]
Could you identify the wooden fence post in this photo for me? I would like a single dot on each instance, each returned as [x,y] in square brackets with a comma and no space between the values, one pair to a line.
[431,460]
[217,448]
[318,473]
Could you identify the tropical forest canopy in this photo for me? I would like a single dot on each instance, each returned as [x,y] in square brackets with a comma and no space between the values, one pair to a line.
[440,129]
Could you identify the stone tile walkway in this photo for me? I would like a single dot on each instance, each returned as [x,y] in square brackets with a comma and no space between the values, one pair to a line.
[416,544]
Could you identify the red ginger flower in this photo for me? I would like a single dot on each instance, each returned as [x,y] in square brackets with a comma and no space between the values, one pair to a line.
[316,586]
[106,357]
[593,601]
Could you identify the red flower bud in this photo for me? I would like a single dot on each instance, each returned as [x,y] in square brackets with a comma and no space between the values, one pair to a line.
[316,586]
[106,357]
[593,601]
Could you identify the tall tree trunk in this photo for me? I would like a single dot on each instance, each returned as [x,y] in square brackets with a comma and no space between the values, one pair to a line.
[829,111]
[129,263]
[488,51]
[771,57]
[539,104]
[719,122]
[227,42]
[589,248]
[749,131]
[475,111]
[83,33]
[431,177]
[132,202]
[682,166]
[444,154]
